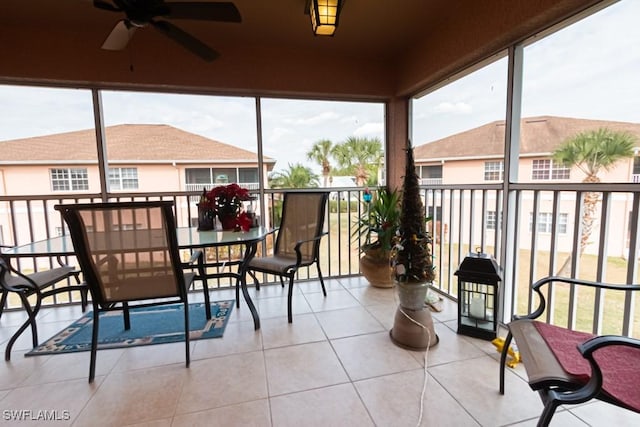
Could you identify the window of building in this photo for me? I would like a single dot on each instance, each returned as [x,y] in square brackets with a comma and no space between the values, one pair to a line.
[493,171]
[123,178]
[546,169]
[491,220]
[248,175]
[434,171]
[225,175]
[636,165]
[210,176]
[545,222]
[72,179]
[198,175]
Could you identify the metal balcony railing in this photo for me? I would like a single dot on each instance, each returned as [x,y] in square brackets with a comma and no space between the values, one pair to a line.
[197,188]
[544,226]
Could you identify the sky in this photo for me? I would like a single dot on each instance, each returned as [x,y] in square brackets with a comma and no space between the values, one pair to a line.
[588,70]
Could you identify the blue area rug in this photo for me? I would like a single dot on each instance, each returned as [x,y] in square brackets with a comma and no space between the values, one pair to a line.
[149,325]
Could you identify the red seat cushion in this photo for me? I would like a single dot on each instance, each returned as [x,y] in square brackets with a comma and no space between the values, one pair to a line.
[620,365]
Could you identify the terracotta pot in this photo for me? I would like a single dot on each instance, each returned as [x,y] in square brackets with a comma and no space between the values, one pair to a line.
[413,325]
[376,269]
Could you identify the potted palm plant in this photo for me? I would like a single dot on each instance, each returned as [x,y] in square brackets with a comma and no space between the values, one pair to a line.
[376,229]
[413,267]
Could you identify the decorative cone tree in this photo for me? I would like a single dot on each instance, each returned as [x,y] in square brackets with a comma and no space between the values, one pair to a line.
[413,267]
[413,261]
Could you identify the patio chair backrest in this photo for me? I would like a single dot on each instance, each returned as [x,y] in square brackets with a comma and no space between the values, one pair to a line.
[302,219]
[127,251]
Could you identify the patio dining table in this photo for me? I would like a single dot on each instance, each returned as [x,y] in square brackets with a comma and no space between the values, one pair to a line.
[188,238]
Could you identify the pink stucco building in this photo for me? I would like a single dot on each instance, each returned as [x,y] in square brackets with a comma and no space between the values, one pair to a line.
[142,159]
[476,157]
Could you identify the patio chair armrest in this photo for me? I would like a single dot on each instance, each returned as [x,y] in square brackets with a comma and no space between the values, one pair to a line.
[588,347]
[29,285]
[299,243]
[544,281]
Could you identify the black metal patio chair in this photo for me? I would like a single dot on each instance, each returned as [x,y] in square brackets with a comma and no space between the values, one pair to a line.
[297,241]
[129,256]
[572,367]
[32,289]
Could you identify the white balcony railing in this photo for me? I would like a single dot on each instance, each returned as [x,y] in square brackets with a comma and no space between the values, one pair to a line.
[545,239]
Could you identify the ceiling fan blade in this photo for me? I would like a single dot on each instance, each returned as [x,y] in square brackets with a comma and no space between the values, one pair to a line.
[119,36]
[218,11]
[100,4]
[186,40]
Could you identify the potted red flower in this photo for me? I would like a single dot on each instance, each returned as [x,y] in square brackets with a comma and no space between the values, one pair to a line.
[226,202]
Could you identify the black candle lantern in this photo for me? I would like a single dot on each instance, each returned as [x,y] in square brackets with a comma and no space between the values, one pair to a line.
[478,291]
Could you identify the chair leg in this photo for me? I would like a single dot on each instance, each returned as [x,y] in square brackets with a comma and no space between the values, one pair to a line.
[84,292]
[503,359]
[289,298]
[547,413]
[31,320]
[324,291]
[281,281]
[94,343]
[256,282]
[238,293]
[207,298]
[127,318]
[186,332]
[84,299]
[205,285]
[3,301]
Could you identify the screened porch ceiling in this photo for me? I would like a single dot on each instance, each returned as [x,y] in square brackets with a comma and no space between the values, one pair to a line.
[382,49]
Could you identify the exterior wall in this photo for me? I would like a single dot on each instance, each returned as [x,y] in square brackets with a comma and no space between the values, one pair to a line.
[622,171]
[472,172]
[463,172]
[460,220]
[35,180]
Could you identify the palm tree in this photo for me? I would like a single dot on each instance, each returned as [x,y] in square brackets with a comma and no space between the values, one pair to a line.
[359,157]
[320,153]
[297,176]
[591,152]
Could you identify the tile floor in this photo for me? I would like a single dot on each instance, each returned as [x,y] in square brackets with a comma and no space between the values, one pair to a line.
[334,366]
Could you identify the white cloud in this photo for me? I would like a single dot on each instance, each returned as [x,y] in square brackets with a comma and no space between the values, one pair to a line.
[453,107]
[277,133]
[325,117]
[370,130]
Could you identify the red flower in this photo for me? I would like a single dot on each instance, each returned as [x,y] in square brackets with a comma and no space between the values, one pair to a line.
[227,199]
[244,221]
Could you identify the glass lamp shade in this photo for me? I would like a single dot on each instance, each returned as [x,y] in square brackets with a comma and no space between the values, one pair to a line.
[324,16]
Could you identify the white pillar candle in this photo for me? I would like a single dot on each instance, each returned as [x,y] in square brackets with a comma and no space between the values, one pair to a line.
[476,308]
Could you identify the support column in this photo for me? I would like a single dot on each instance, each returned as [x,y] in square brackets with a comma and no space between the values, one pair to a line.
[103,166]
[397,136]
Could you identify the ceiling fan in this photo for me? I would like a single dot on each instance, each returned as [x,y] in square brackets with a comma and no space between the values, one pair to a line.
[140,13]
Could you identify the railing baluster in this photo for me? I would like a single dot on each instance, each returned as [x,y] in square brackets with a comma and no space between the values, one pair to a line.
[459,221]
